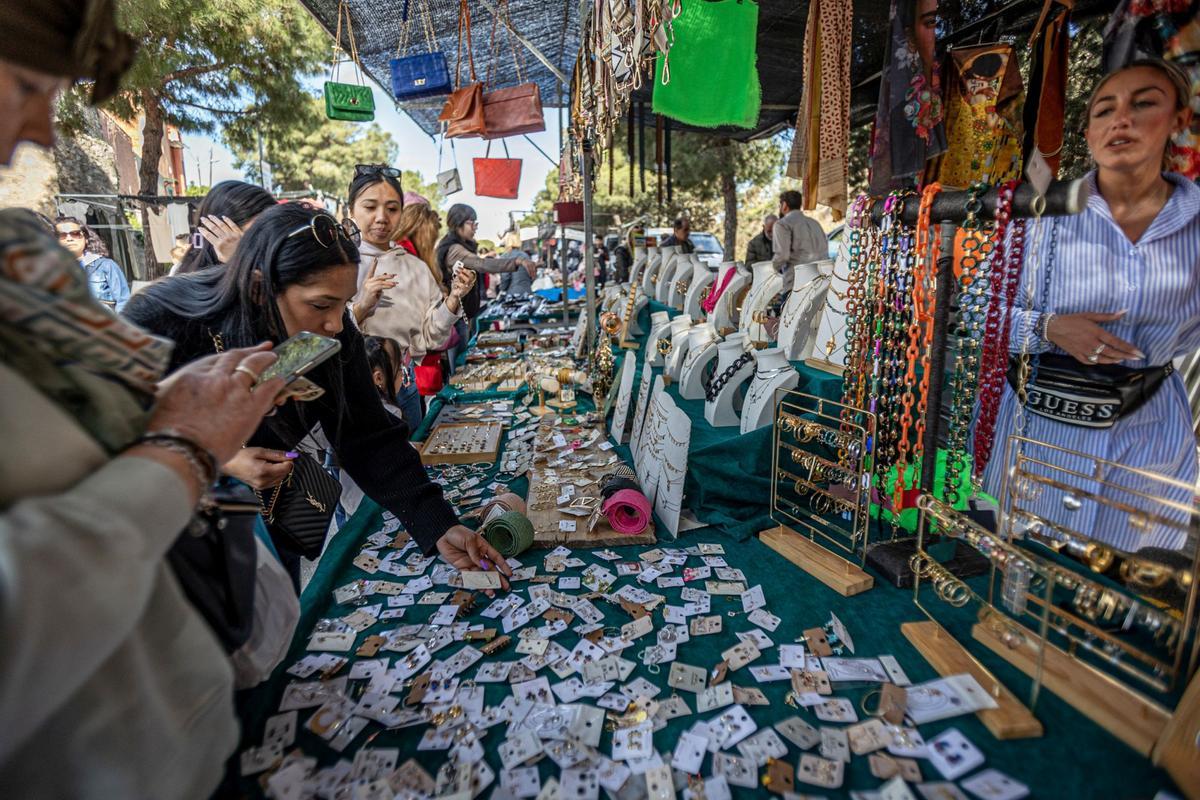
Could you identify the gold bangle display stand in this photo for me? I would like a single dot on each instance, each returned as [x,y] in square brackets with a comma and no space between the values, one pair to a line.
[802,472]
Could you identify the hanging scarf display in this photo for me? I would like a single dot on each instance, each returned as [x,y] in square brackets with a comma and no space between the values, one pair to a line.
[822,139]
[711,77]
[1046,96]
[908,123]
[983,116]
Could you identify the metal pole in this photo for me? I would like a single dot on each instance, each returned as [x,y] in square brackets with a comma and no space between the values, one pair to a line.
[589,276]
[562,267]
[1063,198]
[937,355]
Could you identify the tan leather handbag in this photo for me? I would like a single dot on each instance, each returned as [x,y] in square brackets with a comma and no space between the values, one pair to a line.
[513,110]
[463,111]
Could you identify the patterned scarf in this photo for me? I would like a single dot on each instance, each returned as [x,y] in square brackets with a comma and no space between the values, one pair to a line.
[97,367]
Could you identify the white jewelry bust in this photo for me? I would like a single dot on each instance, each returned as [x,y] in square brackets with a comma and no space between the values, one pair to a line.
[654,260]
[660,326]
[724,317]
[720,411]
[681,326]
[703,276]
[685,273]
[702,349]
[772,374]
[767,283]
[832,321]
[801,313]
[666,273]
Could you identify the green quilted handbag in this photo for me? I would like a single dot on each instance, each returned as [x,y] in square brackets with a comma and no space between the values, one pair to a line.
[349,101]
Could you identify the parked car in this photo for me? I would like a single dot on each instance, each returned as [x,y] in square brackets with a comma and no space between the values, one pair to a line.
[708,247]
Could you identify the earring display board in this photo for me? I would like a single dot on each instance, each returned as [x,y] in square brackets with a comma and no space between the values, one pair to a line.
[563,502]
[640,407]
[621,414]
[646,466]
[462,443]
[662,463]
[821,489]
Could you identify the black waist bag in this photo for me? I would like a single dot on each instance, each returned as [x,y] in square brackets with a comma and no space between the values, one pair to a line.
[1086,395]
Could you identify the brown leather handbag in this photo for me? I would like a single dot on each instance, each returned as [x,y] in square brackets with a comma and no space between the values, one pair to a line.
[513,110]
[463,111]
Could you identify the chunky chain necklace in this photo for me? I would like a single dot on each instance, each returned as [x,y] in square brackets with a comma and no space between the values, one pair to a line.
[977,246]
[863,239]
[1006,277]
[718,383]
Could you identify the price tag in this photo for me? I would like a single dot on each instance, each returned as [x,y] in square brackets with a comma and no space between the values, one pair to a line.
[566,525]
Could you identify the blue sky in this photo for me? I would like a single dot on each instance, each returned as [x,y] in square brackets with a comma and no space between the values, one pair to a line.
[417,152]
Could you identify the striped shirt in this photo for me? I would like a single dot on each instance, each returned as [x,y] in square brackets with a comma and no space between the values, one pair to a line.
[1156,281]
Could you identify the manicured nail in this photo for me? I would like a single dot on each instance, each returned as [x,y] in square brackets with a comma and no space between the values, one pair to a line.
[485,564]
[1139,354]
[291,454]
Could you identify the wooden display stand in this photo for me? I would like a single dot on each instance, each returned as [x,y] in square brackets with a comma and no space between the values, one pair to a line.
[489,453]
[825,366]
[1178,750]
[1011,719]
[1112,705]
[830,569]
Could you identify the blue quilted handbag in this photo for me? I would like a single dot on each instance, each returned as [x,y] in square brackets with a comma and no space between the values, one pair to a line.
[423,74]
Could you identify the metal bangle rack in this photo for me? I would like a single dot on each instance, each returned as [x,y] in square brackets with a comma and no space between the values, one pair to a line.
[1070,609]
[821,488]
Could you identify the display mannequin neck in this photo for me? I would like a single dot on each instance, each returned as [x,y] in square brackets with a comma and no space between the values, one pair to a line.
[702,335]
[771,359]
[762,270]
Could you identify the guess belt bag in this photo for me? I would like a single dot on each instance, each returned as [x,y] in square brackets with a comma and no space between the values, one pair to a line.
[1088,396]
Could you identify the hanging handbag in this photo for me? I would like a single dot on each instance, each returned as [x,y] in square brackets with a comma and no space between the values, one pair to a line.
[299,509]
[349,102]
[423,74]
[449,181]
[463,112]
[514,110]
[497,177]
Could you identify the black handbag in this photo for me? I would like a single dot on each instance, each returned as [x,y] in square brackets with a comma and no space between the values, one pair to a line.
[1087,396]
[300,508]
[215,561]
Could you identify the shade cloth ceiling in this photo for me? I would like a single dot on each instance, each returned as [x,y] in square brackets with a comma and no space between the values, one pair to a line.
[553,28]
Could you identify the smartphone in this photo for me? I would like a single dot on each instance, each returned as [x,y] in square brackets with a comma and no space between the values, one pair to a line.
[300,354]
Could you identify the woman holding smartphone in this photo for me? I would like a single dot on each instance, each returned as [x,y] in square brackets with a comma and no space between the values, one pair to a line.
[296,270]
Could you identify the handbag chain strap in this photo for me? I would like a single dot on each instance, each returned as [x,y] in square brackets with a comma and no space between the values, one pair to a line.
[500,14]
[344,11]
[426,25]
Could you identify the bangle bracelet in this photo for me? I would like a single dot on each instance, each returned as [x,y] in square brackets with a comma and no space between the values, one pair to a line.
[202,462]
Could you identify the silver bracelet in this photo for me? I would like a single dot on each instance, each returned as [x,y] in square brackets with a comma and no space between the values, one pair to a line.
[1043,326]
[202,462]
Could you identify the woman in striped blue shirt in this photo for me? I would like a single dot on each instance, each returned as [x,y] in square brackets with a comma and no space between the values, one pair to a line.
[1122,288]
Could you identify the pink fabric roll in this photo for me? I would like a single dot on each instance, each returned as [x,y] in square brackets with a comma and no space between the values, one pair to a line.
[628,512]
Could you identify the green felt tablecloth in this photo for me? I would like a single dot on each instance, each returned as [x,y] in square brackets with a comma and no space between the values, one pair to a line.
[1075,759]
[729,486]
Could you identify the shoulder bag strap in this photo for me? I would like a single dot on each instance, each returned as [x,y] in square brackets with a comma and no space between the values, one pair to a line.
[402,42]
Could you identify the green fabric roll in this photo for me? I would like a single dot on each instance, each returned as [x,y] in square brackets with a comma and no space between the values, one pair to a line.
[511,534]
[711,67]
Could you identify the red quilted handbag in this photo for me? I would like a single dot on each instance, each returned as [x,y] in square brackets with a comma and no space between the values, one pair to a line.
[497,177]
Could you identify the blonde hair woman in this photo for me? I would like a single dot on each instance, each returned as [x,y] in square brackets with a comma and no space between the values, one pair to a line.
[418,234]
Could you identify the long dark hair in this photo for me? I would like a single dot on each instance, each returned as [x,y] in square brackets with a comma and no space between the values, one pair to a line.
[383,355]
[236,302]
[239,201]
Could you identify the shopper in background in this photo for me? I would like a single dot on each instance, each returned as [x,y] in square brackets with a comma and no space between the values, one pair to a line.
[376,200]
[459,246]
[111,684]
[297,270]
[105,278]
[226,212]
[417,311]
[623,259]
[679,236]
[519,282]
[600,256]
[761,247]
[796,238]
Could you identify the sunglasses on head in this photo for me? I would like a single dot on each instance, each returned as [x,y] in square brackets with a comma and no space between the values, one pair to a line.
[326,230]
[376,169]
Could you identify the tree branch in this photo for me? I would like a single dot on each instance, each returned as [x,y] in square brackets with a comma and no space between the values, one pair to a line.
[175,99]
[189,72]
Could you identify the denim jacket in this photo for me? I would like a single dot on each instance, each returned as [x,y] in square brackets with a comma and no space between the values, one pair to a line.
[106,280]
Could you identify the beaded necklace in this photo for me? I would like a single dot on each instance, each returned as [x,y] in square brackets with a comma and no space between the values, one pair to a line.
[976,249]
[1006,276]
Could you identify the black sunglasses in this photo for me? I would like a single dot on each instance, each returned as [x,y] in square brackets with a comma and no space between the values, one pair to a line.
[326,230]
[376,169]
